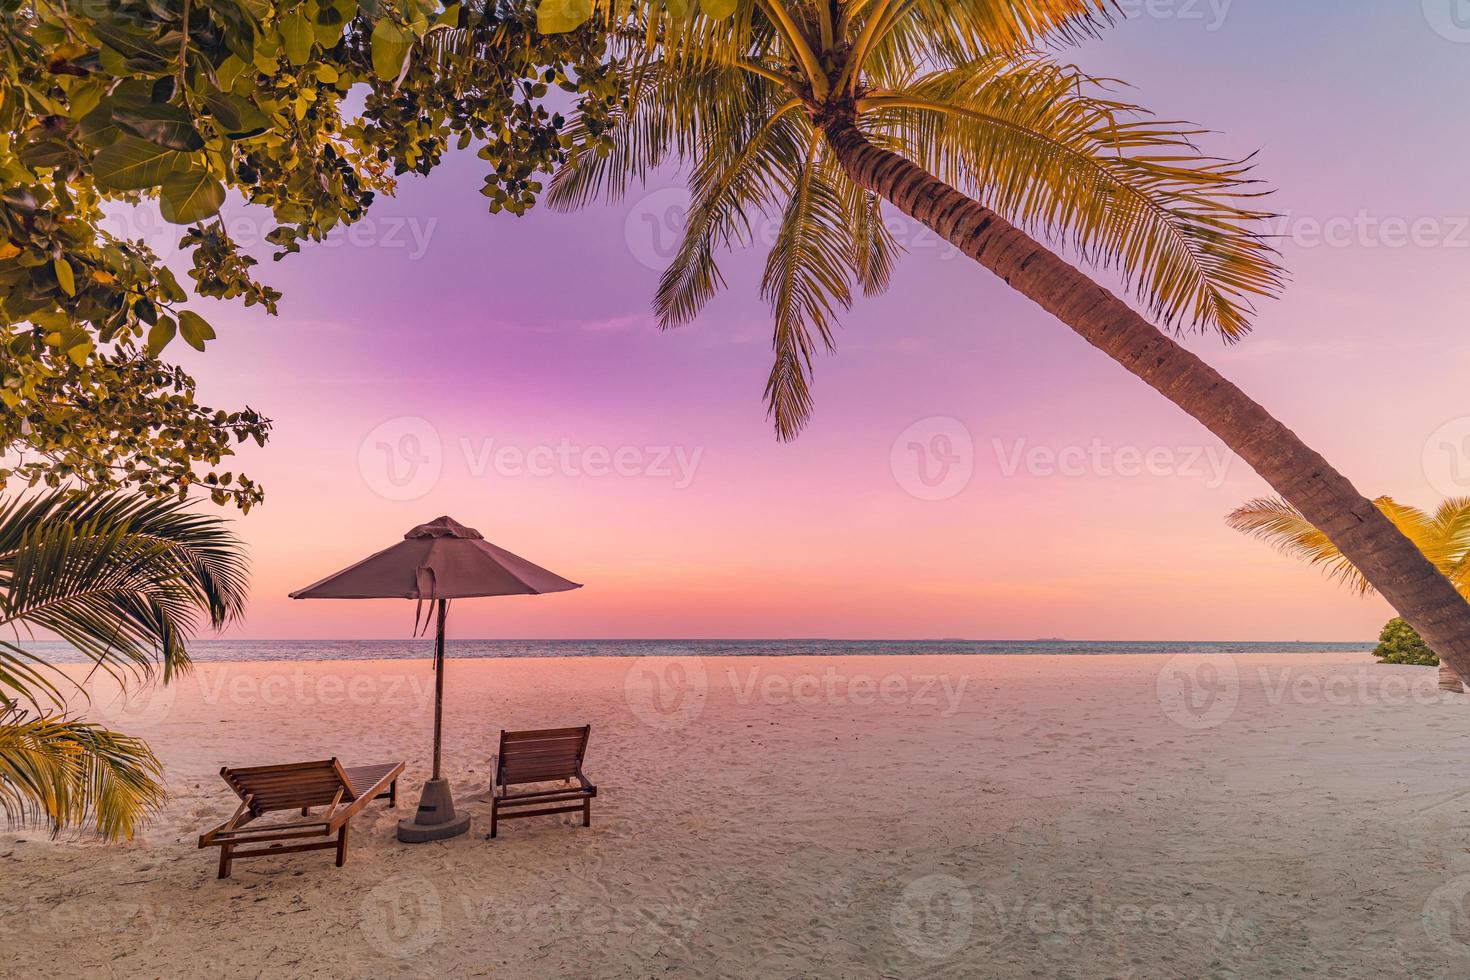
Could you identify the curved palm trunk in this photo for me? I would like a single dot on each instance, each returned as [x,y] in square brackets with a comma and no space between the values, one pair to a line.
[1395,567]
[1448,679]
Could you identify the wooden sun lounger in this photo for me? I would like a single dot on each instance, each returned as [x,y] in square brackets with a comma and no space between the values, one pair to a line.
[552,755]
[298,786]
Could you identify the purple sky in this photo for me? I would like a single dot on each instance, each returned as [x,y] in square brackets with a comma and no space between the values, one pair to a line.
[570,430]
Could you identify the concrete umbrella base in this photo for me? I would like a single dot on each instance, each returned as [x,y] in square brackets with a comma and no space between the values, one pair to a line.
[436,819]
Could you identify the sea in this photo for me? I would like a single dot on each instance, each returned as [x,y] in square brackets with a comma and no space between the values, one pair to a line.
[295,650]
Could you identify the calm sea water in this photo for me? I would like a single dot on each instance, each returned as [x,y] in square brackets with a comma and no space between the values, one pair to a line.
[249,650]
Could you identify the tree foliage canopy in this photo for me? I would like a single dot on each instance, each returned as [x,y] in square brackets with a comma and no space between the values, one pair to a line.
[1399,644]
[309,109]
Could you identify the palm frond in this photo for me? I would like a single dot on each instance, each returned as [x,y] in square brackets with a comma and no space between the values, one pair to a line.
[124,580]
[1276,522]
[741,176]
[70,773]
[875,250]
[1039,144]
[806,281]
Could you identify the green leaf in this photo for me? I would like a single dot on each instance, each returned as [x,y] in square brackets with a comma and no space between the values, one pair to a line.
[45,152]
[132,164]
[195,330]
[64,276]
[236,117]
[296,32]
[157,122]
[561,16]
[190,196]
[160,334]
[96,128]
[138,48]
[390,49]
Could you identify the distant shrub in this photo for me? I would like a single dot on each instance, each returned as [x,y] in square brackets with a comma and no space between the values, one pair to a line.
[1399,644]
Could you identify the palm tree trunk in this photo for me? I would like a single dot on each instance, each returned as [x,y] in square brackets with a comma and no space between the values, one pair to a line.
[1395,567]
[1449,680]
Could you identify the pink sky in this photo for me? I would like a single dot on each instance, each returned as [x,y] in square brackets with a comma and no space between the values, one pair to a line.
[524,333]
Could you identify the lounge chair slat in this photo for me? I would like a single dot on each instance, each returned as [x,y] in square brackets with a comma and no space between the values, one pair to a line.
[546,812]
[544,733]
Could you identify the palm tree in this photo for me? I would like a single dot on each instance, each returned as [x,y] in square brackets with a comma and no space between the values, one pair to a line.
[815,111]
[1443,537]
[124,580]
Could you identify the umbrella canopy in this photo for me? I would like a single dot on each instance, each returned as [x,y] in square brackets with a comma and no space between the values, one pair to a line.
[437,561]
[442,559]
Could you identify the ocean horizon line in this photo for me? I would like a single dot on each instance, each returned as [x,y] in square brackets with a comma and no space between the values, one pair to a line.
[247,651]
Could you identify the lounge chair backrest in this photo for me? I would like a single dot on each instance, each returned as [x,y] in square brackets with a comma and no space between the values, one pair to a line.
[542,756]
[290,787]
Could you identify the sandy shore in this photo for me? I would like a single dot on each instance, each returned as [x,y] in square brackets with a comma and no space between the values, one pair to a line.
[1130,816]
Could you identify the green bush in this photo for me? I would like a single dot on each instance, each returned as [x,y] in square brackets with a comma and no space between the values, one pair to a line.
[1399,644]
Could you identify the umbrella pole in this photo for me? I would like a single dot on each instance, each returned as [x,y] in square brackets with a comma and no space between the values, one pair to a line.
[435,819]
[439,684]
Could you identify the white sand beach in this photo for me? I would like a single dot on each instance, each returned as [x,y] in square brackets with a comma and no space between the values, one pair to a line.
[1111,816]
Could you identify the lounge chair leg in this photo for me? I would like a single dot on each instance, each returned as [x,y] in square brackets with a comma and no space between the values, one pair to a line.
[306,811]
[393,795]
[224,861]
[587,813]
[494,820]
[342,846]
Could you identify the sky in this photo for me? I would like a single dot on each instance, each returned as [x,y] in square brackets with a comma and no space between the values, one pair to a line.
[972,470]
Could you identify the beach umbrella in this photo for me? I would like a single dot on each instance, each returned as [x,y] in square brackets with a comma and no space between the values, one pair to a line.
[437,562]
